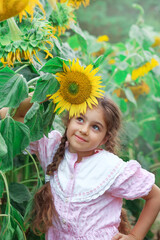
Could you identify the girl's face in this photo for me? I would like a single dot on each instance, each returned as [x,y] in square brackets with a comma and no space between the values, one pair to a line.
[87,132]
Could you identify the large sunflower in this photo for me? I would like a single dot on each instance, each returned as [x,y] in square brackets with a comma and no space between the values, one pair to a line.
[79,88]
[11,8]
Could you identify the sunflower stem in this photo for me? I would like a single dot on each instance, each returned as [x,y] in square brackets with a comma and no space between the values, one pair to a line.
[35,164]
[19,69]
[8,199]
[32,81]
[14,29]
[53,4]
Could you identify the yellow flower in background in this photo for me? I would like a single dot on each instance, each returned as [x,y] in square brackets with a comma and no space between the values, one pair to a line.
[30,9]
[156,42]
[103,38]
[79,88]
[137,90]
[98,53]
[11,8]
[144,69]
[112,61]
[76,3]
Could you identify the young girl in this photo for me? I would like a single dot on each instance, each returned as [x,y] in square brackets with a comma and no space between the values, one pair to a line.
[82,198]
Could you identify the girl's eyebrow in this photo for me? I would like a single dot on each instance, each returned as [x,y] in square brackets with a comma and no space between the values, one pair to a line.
[98,123]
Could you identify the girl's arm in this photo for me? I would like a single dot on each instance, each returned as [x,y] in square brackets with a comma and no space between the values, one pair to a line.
[147,217]
[21,110]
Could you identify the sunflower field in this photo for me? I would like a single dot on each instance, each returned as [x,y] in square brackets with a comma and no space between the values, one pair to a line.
[40,38]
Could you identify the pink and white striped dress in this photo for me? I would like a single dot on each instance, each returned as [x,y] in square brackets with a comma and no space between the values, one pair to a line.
[88,195]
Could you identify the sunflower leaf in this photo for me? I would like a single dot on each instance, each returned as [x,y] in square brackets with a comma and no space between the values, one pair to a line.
[34,120]
[47,84]
[16,136]
[1,186]
[130,96]
[48,118]
[80,35]
[19,192]
[11,86]
[3,147]
[54,65]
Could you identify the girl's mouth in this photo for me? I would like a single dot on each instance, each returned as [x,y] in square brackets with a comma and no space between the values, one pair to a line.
[80,138]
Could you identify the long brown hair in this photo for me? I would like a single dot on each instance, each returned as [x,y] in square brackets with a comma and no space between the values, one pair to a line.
[44,209]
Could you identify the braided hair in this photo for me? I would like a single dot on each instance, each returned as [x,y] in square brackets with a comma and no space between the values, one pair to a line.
[58,155]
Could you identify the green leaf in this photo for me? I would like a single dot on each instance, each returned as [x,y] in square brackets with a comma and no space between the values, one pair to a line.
[48,118]
[19,233]
[8,48]
[16,136]
[136,33]
[3,147]
[16,214]
[98,61]
[19,192]
[77,30]
[120,77]
[123,105]
[34,120]
[1,186]
[73,41]
[47,84]
[29,207]
[13,88]
[80,35]
[54,65]
[82,43]
[8,234]
[130,96]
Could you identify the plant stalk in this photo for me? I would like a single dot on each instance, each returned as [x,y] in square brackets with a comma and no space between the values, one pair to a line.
[53,4]
[14,29]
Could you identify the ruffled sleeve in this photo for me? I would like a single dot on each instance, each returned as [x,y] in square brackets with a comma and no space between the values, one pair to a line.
[134,182]
[45,148]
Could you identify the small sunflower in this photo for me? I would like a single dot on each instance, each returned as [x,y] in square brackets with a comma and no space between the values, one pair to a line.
[103,38]
[62,17]
[79,88]
[144,69]
[76,3]
[18,44]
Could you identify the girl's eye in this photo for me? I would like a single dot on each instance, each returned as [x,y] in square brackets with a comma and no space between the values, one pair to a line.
[80,119]
[95,127]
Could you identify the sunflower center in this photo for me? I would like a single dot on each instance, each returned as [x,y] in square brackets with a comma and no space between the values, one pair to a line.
[73,88]
[76,87]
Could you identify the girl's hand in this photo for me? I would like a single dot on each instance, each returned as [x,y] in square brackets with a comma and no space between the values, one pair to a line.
[124,237]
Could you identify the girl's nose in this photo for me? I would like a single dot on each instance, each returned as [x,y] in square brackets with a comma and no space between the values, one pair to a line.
[84,129]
